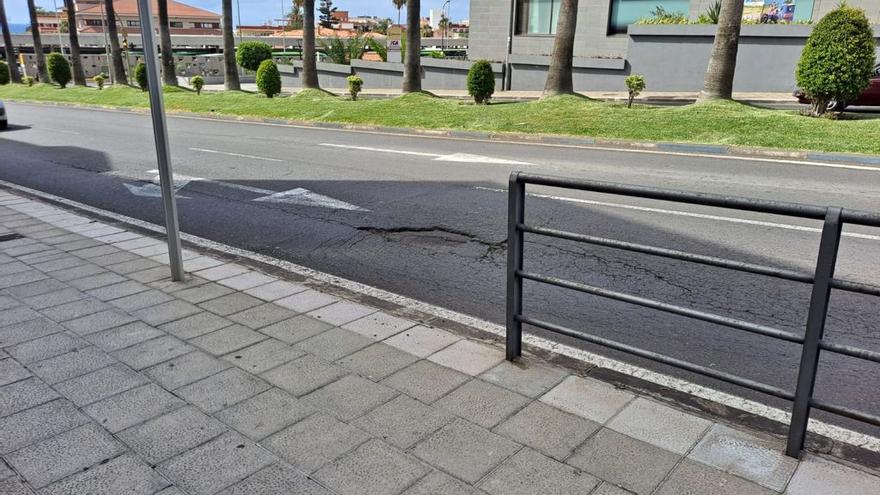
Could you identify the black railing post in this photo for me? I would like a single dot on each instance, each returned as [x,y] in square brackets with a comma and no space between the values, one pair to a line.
[515,216]
[818,311]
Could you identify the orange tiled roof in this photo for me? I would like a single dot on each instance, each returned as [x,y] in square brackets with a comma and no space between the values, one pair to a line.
[129,8]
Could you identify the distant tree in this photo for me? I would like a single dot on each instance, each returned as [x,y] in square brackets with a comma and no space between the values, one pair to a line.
[382,26]
[230,72]
[10,48]
[310,67]
[38,44]
[327,10]
[169,76]
[115,49]
[399,4]
[251,54]
[427,31]
[295,17]
[559,75]
[79,76]
[197,83]
[412,64]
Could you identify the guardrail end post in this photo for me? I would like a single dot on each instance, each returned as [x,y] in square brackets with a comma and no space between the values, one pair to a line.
[515,217]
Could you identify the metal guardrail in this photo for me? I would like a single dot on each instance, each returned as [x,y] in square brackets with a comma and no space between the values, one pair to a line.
[822,280]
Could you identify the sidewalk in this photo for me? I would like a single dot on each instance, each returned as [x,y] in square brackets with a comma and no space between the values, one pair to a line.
[114,380]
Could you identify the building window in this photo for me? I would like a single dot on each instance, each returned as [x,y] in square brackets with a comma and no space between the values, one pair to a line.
[133,23]
[626,12]
[94,22]
[176,24]
[207,25]
[537,16]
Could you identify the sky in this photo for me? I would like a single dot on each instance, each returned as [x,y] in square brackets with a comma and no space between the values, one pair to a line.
[258,11]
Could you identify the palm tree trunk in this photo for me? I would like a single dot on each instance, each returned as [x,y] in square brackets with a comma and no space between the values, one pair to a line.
[310,66]
[412,68]
[231,80]
[38,43]
[115,49]
[559,77]
[169,75]
[79,76]
[10,50]
[718,84]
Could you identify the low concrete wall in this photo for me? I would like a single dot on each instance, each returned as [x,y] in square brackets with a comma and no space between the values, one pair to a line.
[528,73]
[330,76]
[436,74]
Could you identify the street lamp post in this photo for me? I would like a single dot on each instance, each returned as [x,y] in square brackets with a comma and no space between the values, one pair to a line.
[446,7]
[58,20]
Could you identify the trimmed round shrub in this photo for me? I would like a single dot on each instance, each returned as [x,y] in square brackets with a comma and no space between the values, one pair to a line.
[140,76]
[59,69]
[268,78]
[838,59]
[99,80]
[197,82]
[635,84]
[28,80]
[4,73]
[251,54]
[355,84]
[481,81]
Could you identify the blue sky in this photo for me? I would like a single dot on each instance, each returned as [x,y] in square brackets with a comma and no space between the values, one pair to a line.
[258,11]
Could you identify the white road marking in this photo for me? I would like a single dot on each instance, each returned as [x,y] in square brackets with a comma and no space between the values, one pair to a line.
[454,157]
[684,214]
[240,155]
[300,196]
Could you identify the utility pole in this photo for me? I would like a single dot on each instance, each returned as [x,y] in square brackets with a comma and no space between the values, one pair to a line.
[106,43]
[58,20]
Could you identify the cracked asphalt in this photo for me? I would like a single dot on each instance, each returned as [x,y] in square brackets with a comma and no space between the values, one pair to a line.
[436,230]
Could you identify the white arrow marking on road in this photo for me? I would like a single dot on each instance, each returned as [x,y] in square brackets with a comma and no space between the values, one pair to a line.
[148,190]
[240,155]
[305,197]
[454,157]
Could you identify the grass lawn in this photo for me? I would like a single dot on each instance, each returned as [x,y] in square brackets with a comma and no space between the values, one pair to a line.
[727,123]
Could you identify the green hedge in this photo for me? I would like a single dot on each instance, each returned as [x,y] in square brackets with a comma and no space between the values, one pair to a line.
[251,54]
[268,78]
[59,69]
[481,81]
[140,76]
[4,73]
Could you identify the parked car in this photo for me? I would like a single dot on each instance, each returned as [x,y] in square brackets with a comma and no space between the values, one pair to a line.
[869,97]
[3,121]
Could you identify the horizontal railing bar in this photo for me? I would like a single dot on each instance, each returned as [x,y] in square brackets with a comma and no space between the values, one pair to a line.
[668,308]
[653,356]
[705,199]
[850,351]
[867,289]
[673,254]
[846,412]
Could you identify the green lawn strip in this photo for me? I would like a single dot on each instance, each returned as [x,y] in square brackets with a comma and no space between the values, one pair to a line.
[726,123]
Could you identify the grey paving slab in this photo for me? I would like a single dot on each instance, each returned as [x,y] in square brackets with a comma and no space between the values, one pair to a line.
[308,300]
[17,315]
[527,377]
[422,341]
[203,293]
[28,330]
[465,450]
[660,425]
[263,356]
[61,262]
[692,478]
[99,321]
[77,272]
[262,316]
[817,475]
[438,482]
[186,369]
[275,290]
[221,272]
[171,434]
[378,326]
[36,288]
[403,421]
[607,488]
[166,312]
[116,291]
[24,394]
[100,384]
[46,347]
[123,336]
[377,361]
[115,261]
[14,267]
[246,280]
[125,474]
[341,313]
[426,381]
[176,286]
[551,431]
[529,472]
[334,344]
[152,352]
[65,454]
[55,298]
[295,329]
[611,456]
[468,357]
[303,375]
[195,325]
[133,406]
[141,300]
[265,414]
[588,398]
[373,468]
[349,397]
[38,423]
[14,486]
[217,464]
[7,302]
[96,281]
[11,371]
[276,479]
[21,278]
[315,441]
[132,265]
[74,310]
[150,274]
[230,304]
[226,340]
[95,252]
[482,403]
[71,365]
[222,390]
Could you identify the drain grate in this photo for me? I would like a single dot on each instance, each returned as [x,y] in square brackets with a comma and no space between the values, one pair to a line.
[11,236]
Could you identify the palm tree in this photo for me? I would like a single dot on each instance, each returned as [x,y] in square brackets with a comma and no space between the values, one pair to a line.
[310,67]
[115,49]
[169,75]
[412,65]
[38,43]
[79,76]
[559,78]
[231,80]
[718,84]
[7,42]
[399,4]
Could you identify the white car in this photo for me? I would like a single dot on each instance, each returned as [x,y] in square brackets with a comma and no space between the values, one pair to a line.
[3,121]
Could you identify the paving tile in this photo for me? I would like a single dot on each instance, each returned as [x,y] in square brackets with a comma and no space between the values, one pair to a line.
[231,303]
[28,330]
[5,471]
[55,298]
[99,321]
[35,288]
[438,483]
[426,381]
[14,486]
[174,286]
[186,369]
[274,480]
[482,403]
[227,340]
[548,430]
[135,243]
[349,397]
[195,325]
[315,441]
[166,312]
[263,356]
[141,300]
[61,262]
[757,459]
[125,474]
[24,394]
[95,252]
[468,357]
[11,371]
[203,293]
[17,315]
[221,272]
[128,335]
[295,329]
[65,454]
[817,475]
[265,414]
[273,291]
[217,464]
[465,450]
[247,280]
[306,301]
[21,278]
[38,423]
[74,310]
[611,456]
[76,272]
[403,421]
[303,375]
[150,274]
[116,291]
[527,377]
[341,313]
[71,365]
[529,472]
[46,347]
[151,251]
[261,316]
[133,266]
[610,489]
[377,361]
[121,262]
[97,281]
[588,398]
[692,478]
[373,468]
[152,352]
[100,384]
[171,434]
[660,425]
[134,406]
[7,302]
[201,262]
[334,344]
[222,390]
[422,341]
[379,325]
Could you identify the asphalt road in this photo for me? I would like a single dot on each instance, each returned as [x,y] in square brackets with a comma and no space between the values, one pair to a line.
[426,218]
